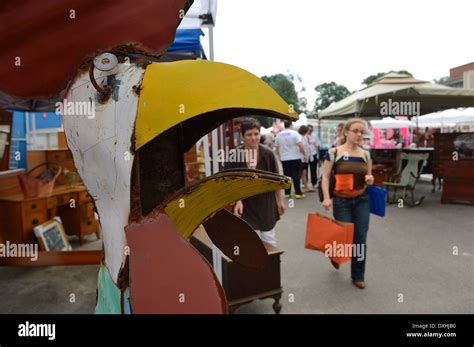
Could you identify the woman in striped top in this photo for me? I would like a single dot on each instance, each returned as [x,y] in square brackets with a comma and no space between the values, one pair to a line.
[353,172]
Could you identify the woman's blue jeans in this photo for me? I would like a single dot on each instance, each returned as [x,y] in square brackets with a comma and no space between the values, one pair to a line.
[355,210]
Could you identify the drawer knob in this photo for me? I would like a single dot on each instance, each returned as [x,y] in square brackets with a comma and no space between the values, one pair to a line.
[89,222]
[35,221]
[34,206]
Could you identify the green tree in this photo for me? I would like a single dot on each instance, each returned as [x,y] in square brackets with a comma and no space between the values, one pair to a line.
[371,79]
[285,87]
[329,93]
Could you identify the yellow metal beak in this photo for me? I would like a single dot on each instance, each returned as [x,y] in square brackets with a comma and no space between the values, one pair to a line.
[174,93]
[194,204]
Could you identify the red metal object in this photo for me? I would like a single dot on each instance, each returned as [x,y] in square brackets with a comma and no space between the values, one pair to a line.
[236,239]
[44,43]
[167,274]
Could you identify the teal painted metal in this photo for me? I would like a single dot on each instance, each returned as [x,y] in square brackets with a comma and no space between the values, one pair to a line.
[127,308]
[108,300]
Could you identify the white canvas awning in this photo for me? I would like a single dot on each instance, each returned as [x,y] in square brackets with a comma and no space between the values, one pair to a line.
[389,123]
[401,89]
[447,118]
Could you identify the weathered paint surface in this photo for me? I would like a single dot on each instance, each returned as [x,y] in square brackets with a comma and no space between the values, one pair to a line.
[175,92]
[192,205]
[108,296]
[127,309]
[236,239]
[45,42]
[101,147]
[167,274]
[103,154]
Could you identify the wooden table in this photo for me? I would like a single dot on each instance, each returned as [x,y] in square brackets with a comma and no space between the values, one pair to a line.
[243,285]
[19,215]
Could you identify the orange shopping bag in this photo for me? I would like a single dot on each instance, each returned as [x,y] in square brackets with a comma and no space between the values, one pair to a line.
[330,236]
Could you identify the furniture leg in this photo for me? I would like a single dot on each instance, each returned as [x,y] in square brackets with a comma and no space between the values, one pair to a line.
[276,305]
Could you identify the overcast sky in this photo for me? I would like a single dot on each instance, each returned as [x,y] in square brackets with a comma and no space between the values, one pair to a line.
[342,40]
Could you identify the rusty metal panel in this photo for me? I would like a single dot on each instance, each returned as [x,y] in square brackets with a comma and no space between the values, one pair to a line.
[236,239]
[167,274]
[52,39]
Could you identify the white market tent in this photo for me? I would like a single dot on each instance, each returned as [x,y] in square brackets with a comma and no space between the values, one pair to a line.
[446,118]
[389,123]
[302,120]
[401,89]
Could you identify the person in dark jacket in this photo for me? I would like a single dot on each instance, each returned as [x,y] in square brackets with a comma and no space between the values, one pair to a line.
[261,211]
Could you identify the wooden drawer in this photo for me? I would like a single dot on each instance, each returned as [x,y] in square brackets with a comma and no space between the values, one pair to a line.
[65,199]
[52,202]
[84,197]
[34,206]
[88,225]
[34,219]
[87,210]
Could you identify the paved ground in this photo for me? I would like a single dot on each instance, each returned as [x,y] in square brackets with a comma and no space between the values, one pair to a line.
[410,252]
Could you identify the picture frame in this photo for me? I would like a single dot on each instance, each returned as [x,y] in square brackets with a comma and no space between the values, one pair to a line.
[51,235]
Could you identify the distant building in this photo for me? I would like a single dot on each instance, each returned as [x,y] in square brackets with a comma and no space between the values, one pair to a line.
[461,76]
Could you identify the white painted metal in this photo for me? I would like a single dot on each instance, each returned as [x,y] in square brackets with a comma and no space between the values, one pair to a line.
[101,147]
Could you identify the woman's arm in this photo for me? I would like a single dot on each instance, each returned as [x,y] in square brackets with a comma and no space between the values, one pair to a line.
[327,168]
[369,179]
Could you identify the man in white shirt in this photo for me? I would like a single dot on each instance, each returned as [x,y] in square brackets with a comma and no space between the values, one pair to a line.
[289,146]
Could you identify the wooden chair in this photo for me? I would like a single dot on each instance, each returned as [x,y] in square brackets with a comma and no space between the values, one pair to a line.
[406,178]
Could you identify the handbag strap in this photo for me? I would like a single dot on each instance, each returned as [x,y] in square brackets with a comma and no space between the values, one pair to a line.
[333,171]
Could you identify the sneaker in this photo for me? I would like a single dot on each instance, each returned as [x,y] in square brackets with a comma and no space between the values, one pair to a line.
[287,196]
[300,196]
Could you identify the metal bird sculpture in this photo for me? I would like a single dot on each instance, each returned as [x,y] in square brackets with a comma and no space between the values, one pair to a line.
[130,149]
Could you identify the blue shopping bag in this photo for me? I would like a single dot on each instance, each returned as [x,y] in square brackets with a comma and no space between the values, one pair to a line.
[377,199]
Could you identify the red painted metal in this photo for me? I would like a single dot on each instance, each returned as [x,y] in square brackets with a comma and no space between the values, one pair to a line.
[167,274]
[236,239]
[54,38]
